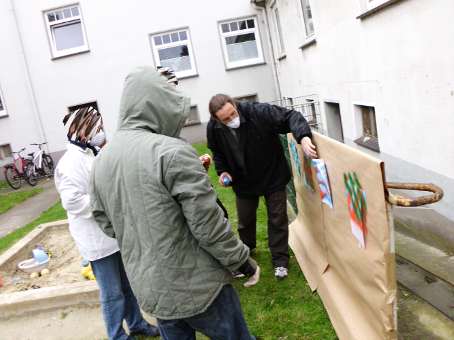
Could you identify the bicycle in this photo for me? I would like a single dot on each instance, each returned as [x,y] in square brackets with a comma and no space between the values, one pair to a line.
[43,164]
[20,169]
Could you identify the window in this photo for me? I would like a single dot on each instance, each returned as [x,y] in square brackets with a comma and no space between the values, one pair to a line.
[252,98]
[174,50]
[5,151]
[193,117]
[241,43]
[3,112]
[307,16]
[369,138]
[82,106]
[277,24]
[66,31]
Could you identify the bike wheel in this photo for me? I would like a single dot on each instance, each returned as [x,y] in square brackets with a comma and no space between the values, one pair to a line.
[13,178]
[48,165]
[30,175]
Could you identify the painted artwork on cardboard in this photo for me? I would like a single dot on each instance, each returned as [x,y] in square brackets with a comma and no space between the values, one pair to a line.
[323,182]
[308,177]
[357,207]
[295,157]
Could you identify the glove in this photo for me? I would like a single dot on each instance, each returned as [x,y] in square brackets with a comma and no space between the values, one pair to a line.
[251,270]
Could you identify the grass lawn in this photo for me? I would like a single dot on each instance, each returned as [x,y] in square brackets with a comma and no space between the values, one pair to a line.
[9,200]
[54,213]
[3,185]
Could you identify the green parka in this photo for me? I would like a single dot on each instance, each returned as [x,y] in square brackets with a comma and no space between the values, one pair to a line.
[150,191]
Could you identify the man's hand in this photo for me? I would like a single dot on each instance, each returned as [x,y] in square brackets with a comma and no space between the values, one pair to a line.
[309,148]
[225,179]
[206,161]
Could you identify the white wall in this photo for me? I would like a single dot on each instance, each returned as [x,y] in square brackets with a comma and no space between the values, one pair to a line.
[118,37]
[21,126]
[400,60]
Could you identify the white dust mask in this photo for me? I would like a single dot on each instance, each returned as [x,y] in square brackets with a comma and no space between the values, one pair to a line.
[234,123]
[98,139]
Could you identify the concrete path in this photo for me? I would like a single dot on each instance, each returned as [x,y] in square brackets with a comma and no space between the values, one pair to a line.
[29,210]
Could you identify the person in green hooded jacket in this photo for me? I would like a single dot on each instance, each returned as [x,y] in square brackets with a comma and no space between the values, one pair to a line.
[151,192]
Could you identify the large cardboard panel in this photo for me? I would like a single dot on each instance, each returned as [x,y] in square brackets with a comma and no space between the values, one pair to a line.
[308,238]
[358,286]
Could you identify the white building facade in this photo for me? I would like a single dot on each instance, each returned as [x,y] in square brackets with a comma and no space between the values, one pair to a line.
[382,73]
[60,54]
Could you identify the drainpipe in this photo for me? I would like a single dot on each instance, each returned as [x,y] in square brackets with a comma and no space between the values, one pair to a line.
[31,88]
[261,5]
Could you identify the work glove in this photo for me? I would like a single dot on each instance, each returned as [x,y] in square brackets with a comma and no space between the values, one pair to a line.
[251,270]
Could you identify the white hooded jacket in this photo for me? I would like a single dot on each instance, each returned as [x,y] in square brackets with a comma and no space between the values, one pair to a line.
[72,177]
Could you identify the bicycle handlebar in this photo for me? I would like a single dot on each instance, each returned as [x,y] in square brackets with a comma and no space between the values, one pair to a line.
[18,151]
[38,144]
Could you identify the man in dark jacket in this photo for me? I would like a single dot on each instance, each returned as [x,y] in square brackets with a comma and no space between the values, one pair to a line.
[244,139]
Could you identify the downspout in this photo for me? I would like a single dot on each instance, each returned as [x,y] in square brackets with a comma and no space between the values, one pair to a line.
[31,89]
[261,5]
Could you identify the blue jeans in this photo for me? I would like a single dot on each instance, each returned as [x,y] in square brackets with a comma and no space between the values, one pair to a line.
[117,299]
[223,320]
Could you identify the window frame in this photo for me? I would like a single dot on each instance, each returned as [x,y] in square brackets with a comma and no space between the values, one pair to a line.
[278,30]
[62,23]
[305,22]
[367,140]
[258,39]
[247,98]
[3,111]
[155,50]
[189,122]
[3,156]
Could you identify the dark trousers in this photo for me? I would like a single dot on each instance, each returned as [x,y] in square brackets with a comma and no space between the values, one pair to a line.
[223,320]
[276,206]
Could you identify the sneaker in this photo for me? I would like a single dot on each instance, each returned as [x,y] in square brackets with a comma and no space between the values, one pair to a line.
[237,274]
[280,272]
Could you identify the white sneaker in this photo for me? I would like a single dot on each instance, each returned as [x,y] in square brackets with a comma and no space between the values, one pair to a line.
[280,272]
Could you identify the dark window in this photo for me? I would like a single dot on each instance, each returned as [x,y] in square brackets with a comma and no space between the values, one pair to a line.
[369,138]
[240,38]
[76,107]
[193,117]
[5,151]
[249,98]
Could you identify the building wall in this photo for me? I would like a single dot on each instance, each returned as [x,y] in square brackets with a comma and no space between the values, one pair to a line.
[398,60]
[118,37]
[21,126]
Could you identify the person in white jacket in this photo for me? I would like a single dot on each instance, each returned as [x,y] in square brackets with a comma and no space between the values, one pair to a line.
[72,176]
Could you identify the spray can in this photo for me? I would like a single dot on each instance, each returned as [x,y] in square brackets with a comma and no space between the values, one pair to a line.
[226,180]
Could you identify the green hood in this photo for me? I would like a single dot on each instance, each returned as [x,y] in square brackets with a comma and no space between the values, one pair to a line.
[149,102]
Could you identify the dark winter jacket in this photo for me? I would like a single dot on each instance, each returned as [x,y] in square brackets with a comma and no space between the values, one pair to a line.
[256,159]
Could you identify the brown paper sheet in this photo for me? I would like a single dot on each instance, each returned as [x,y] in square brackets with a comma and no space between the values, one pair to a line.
[357,286]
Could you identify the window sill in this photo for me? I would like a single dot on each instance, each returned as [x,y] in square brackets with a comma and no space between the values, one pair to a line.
[187,76]
[282,57]
[309,42]
[370,143]
[4,115]
[192,123]
[70,54]
[232,68]
[376,9]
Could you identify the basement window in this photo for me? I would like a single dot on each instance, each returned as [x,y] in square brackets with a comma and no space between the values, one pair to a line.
[369,137]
